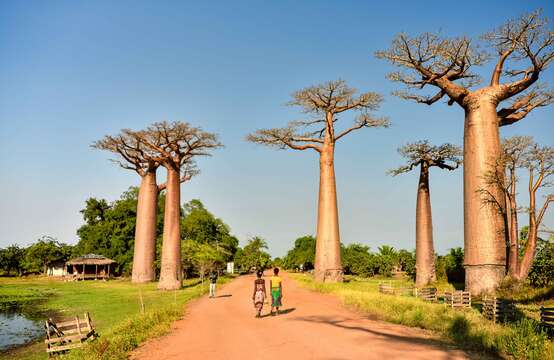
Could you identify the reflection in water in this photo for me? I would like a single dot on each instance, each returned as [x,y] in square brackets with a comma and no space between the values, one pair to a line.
[16,329]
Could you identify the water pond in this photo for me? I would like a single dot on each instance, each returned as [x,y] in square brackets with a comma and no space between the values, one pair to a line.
[18,328]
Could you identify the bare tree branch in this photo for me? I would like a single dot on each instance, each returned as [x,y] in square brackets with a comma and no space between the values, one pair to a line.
[524,104]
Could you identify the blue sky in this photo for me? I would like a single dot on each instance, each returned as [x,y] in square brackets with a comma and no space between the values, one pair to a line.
[73,71]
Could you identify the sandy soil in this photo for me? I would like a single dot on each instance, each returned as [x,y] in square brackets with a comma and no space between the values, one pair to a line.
[312,326]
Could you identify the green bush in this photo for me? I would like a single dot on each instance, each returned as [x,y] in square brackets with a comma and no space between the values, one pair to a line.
[527,340]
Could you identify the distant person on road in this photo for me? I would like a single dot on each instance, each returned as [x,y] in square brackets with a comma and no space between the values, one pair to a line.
[276,285]
[259,294]
[213,281]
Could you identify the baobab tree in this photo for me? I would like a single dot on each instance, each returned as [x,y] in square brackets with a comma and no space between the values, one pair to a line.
[526,46]
[521,153]
[134,155]
[175,145]
[324,103]
[424,155]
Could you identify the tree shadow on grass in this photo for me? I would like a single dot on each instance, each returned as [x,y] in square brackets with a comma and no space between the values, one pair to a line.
[193,284]
[459,332]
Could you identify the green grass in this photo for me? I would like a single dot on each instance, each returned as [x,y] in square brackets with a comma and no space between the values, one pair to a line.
[114,307]
[465,328]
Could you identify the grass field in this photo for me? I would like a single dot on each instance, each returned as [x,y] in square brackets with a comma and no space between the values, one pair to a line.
[466,328]
[114,307]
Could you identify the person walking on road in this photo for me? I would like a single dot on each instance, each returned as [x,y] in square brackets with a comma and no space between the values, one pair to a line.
[259,294]
[276,285]
[213,281]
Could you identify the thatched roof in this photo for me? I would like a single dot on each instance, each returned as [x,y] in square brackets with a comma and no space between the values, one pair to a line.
[91,259]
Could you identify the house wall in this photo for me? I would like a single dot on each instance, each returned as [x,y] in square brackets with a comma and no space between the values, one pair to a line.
[56,271]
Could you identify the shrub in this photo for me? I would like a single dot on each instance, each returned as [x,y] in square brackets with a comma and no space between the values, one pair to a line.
[526,340]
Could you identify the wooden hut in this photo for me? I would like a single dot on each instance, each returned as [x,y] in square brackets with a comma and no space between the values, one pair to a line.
[90,266]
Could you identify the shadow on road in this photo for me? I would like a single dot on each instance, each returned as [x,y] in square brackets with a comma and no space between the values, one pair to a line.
[333,321]
[224,296]
[281,312]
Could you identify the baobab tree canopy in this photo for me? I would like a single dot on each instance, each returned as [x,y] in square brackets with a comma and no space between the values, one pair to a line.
[323,103]
[133,152]
[446,156]
[523,49]
[424,155]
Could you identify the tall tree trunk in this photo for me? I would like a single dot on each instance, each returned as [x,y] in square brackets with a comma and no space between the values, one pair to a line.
[531,247]
[484,235]
[145,230]
[170,273]
[328,267]
[425,252]
[513,260]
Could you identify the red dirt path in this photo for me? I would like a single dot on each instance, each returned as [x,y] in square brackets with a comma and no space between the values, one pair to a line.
[314,326]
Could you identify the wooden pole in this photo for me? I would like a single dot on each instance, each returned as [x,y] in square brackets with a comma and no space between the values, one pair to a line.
[96,272]
[108,271]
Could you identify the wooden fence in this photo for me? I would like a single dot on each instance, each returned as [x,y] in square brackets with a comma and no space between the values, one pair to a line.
[386,289]
[68,335]
[457,299]
[547,317]
[498,310]
[427,294]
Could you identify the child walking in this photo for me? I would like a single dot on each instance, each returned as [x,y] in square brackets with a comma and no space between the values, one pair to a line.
[259,294]
[276,285]
[213,281]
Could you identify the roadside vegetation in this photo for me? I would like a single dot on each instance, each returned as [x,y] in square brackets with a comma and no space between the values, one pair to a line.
[114,306]
[467,329]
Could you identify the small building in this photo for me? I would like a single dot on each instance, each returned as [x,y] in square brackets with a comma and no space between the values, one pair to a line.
[56,268]
[90,266]
[230,268]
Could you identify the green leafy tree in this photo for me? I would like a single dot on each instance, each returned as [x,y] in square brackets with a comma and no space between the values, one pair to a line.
[407,262]
[253,255]
[451,266]
[302,255]
[201,258]
[11,259]
[357,260]
[542,271]
[203,227]
[109,229]
[386,259]
[44,252]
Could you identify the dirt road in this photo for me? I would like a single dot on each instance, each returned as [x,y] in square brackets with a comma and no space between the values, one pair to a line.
[313,326]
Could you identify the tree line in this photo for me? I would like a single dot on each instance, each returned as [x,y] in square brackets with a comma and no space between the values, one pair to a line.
[359,260]
[206,241]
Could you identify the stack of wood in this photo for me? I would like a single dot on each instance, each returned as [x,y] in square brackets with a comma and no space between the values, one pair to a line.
[427,294]
[68,335]
[457,299]
[498,310]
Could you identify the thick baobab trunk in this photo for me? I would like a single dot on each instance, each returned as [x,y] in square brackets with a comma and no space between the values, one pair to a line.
[170,273]
[328,267]
[425,252]
[484,236]
[145,230]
